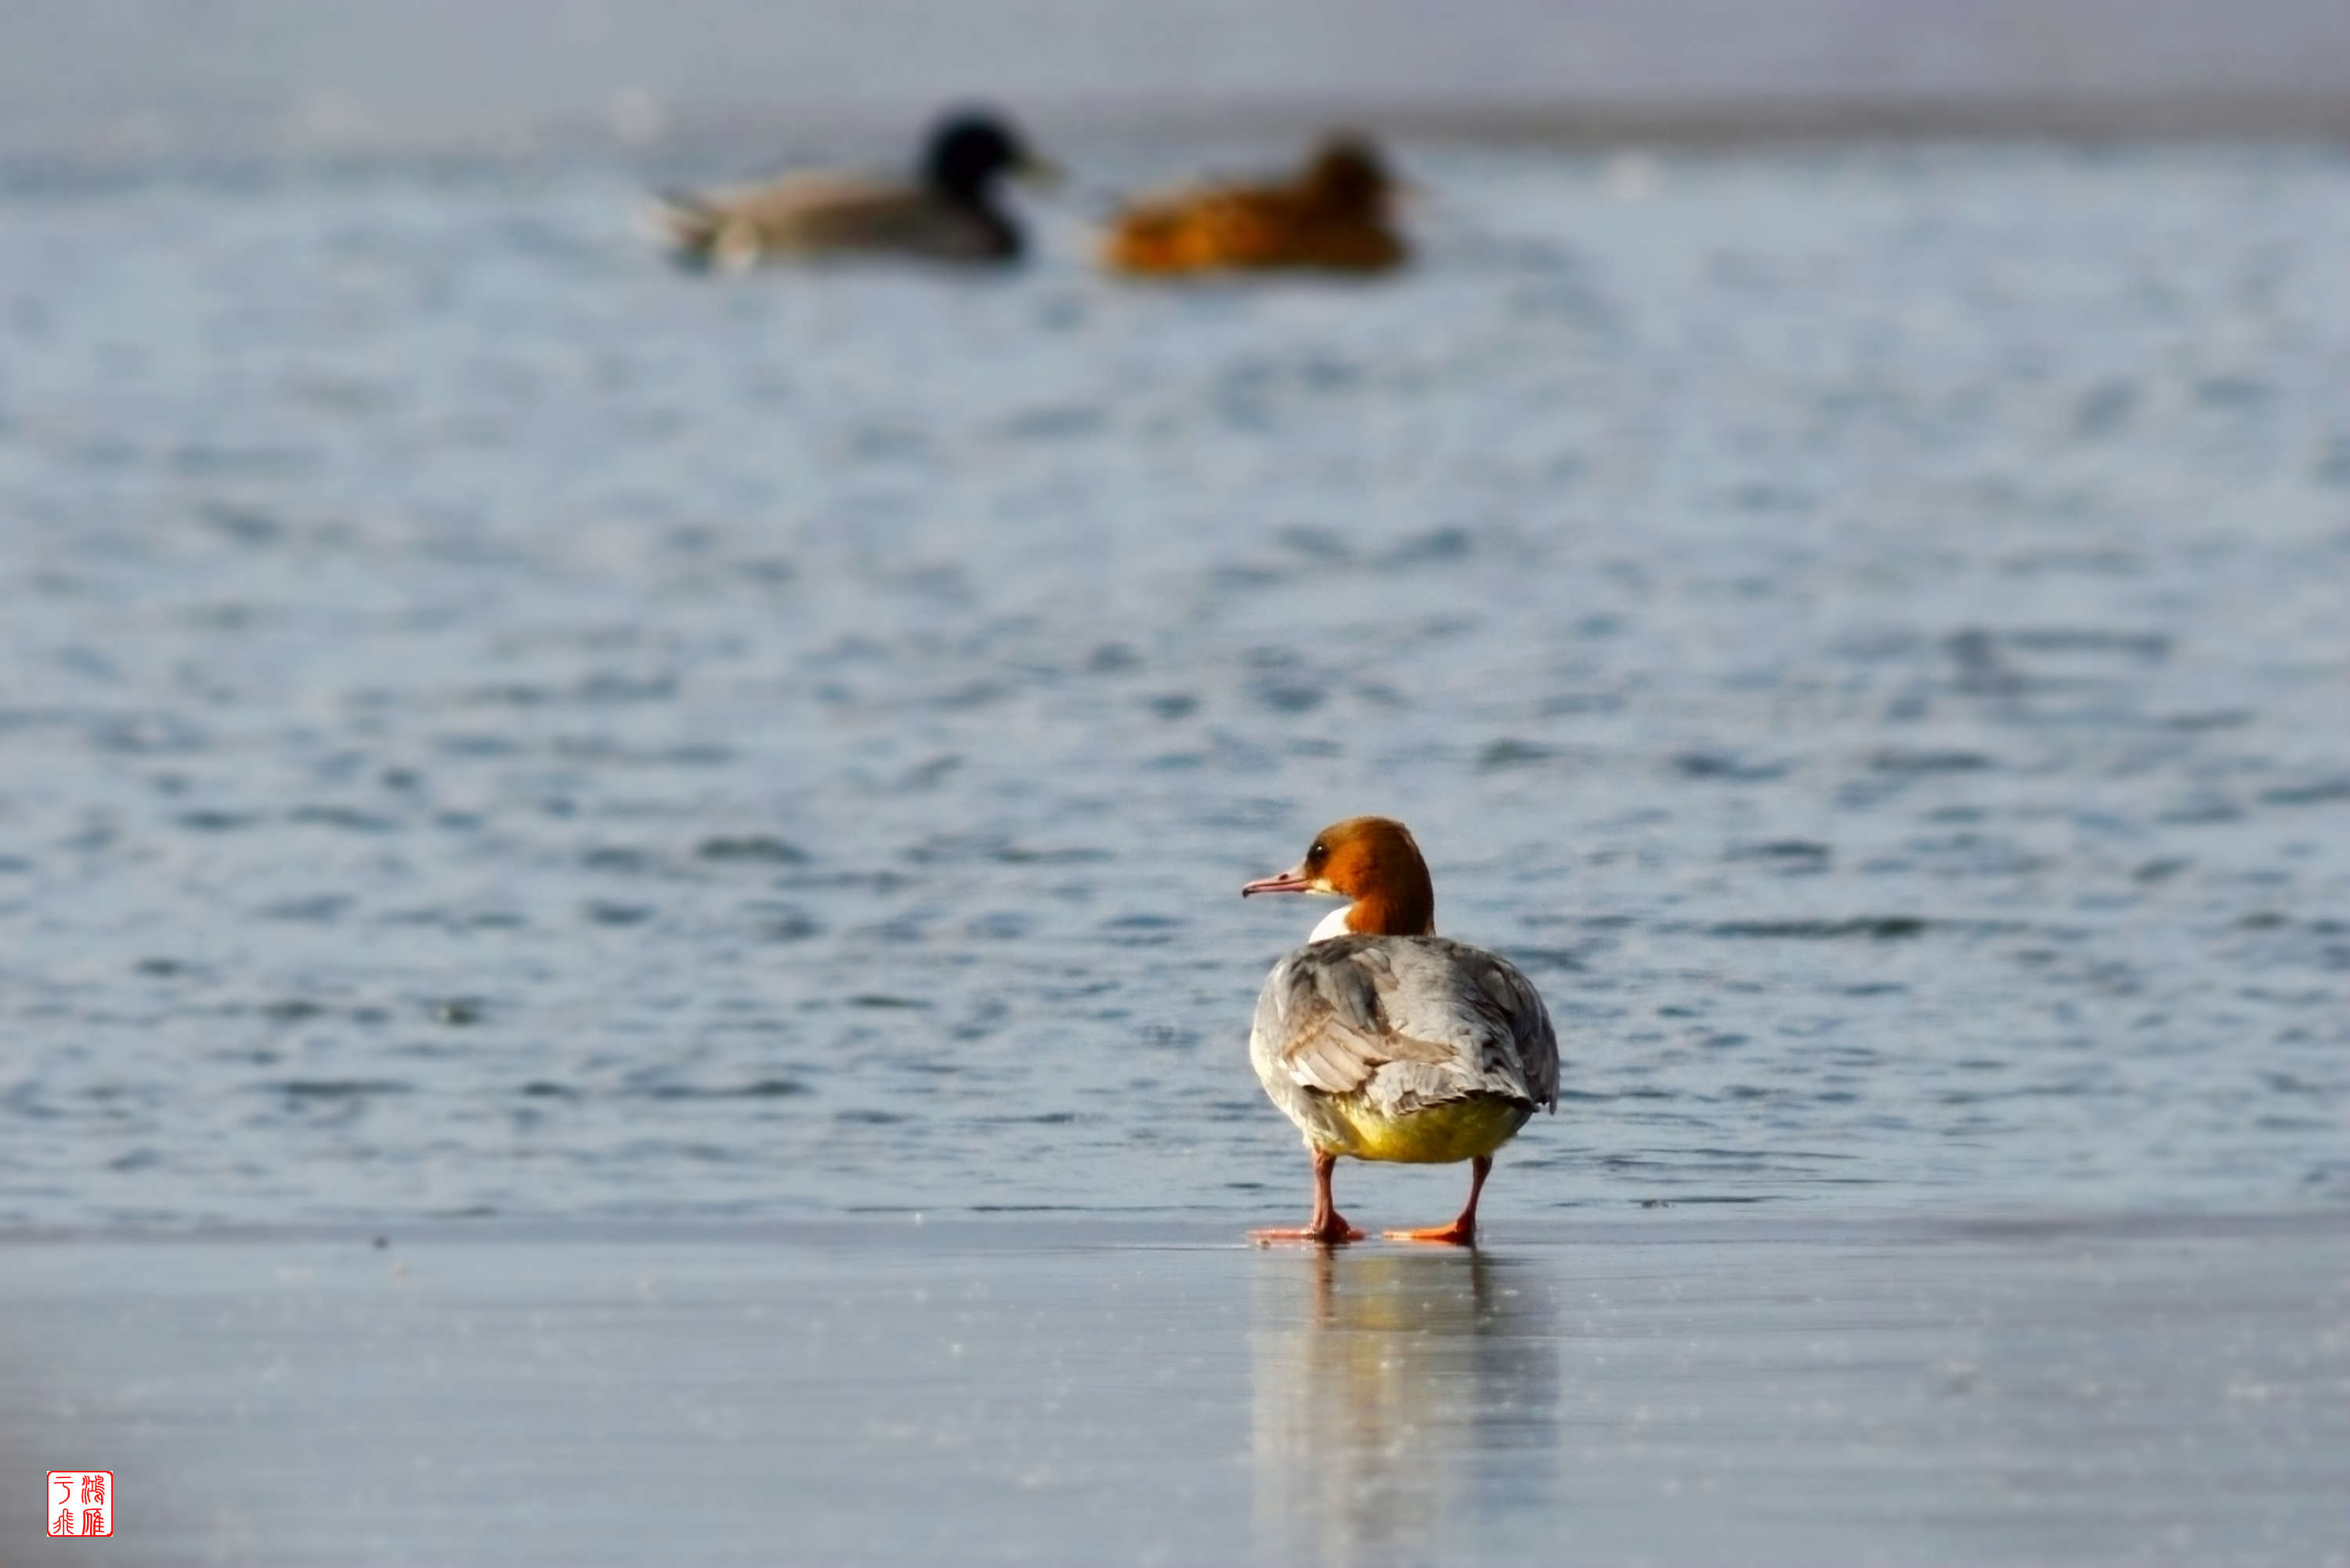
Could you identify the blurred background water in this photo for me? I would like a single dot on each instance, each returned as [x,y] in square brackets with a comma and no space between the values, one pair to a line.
[494,725]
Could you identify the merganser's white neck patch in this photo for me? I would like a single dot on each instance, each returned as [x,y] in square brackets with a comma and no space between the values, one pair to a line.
[1334,924]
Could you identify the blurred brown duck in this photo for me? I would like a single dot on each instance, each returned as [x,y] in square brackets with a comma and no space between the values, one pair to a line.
[947,211]
[1333,217]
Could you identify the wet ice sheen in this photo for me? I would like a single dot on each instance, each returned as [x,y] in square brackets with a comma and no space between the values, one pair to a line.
[496,726]
[1648,1388]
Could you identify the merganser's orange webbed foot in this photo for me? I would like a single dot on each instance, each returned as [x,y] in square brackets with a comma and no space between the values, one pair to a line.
[1327,1226]
[1332,1232]
[1461,1233]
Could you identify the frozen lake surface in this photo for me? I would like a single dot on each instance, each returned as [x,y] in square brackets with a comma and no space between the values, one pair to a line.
[1646,1390]
[493,726]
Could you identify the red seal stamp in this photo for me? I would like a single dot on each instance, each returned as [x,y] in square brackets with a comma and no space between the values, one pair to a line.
[80,1502]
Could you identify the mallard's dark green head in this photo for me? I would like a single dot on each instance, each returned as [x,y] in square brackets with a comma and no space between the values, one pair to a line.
[970,150]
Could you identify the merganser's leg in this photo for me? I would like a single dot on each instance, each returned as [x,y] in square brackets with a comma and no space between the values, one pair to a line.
[1461,1233]
[1329,1226]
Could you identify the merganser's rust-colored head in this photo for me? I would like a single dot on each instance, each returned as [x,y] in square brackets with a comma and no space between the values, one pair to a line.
[1372,861]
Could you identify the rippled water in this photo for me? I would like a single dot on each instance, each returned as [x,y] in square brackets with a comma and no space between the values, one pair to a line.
[494,725]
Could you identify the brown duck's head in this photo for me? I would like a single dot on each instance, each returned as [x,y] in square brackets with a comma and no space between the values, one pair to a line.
[1373,862]
[1348,174]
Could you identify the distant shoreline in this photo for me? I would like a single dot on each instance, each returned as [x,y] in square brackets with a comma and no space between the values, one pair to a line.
[875,132]
[1701,123]
[107,78]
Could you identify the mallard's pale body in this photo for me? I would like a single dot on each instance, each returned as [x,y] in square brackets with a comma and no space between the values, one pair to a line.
[809,216]
[947,211]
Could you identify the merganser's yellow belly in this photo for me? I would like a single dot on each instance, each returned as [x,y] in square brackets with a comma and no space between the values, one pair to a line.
[1433,1135]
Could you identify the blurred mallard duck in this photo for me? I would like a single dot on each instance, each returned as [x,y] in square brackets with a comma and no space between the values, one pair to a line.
[1332,217]
[947,211]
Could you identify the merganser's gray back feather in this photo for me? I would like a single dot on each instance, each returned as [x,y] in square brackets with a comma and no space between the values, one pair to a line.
[1404,1022]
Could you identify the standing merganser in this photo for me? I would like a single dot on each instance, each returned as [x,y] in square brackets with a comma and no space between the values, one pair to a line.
[1383,1041]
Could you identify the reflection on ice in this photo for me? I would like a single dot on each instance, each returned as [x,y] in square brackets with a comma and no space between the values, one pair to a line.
[1394,1392]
